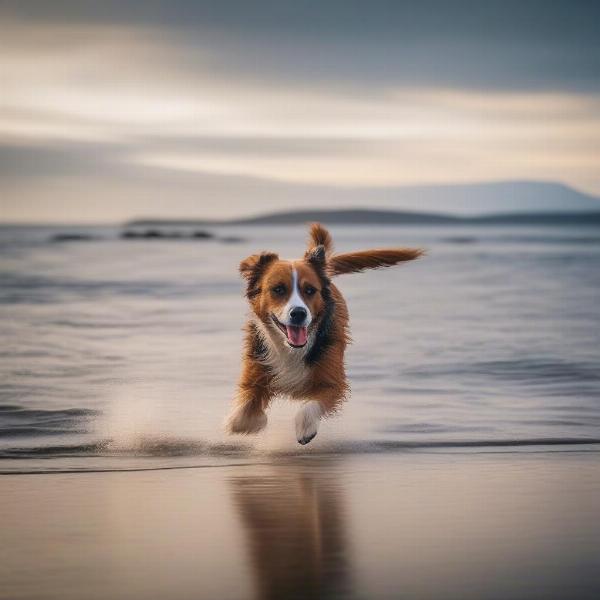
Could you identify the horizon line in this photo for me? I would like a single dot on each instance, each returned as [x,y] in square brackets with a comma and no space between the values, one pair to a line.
[249,220]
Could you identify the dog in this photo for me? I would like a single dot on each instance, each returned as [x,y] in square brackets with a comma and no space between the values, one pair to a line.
[297,332]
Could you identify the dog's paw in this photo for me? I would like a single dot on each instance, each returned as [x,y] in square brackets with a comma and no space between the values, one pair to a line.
[307,422]
[245,421]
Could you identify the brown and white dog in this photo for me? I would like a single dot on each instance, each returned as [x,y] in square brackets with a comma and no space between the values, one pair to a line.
[298,331]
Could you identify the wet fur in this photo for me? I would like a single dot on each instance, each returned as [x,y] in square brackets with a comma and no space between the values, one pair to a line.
[315,373]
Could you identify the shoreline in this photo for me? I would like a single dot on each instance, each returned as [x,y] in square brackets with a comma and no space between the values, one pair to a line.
[434,525]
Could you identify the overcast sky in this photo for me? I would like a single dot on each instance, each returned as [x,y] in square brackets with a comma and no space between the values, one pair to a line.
[116,109]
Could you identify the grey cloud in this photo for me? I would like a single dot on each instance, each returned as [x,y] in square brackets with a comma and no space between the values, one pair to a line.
[527,45]
[114,159]
[23,161]
[339,55]
[533,19]
[89,182]
[256,146]
[92,182]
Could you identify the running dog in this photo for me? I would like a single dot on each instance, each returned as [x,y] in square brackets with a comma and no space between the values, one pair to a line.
[297,332]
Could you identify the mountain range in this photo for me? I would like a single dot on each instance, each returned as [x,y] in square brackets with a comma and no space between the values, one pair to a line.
[509,201]
[492,203]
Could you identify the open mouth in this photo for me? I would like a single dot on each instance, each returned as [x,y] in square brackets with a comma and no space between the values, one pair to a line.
[296,336]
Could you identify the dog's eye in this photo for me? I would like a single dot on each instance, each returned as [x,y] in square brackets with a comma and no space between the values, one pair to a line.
[309,290]
[279,290]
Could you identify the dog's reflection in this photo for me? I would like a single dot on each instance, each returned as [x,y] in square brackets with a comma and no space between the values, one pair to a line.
[294,523]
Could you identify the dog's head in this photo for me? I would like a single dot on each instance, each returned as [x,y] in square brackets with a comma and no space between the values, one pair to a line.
[292,298]
[288,296]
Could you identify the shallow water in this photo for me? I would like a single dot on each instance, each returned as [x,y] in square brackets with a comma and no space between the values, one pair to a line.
[125,353]
[464,465]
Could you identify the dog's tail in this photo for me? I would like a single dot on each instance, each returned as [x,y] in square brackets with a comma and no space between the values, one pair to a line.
[354,262]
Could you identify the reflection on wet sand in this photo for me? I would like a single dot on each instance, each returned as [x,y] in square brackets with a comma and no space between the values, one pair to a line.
[294,523]
[440,526]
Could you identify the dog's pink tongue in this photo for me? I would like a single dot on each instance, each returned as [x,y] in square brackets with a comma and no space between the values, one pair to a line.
[296,335]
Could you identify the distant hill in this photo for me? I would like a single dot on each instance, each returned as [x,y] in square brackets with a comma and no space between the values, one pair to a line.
[350,216]
[486,198]
[353,216]
[417,204]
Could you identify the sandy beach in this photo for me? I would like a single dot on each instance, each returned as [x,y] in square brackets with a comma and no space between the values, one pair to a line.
[458,525]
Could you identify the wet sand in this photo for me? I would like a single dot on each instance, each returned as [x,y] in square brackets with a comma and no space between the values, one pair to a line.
[409,524]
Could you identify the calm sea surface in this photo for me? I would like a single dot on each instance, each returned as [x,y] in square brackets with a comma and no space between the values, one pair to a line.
[465,465]
[125,353]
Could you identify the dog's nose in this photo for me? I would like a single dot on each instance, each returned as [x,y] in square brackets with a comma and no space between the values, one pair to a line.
[297,315]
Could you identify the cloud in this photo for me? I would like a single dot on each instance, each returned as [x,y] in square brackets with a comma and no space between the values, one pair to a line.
[506,45]
[234,101]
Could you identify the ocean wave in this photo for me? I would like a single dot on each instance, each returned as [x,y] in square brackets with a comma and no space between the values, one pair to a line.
[18,421]
[173,447]
[548,372]
[20,288]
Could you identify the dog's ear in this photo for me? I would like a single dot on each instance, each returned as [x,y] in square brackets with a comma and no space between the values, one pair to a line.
[252,269]
[316,256]
[319,236]
[354,262]
[256,261]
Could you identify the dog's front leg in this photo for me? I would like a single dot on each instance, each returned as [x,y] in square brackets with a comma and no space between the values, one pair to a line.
[307,421]
[248,415]
[326,399]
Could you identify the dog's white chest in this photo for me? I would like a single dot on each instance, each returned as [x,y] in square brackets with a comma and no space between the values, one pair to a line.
[290,372]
